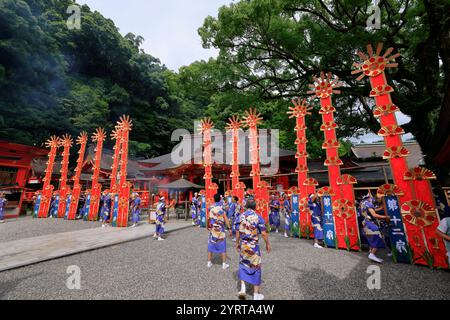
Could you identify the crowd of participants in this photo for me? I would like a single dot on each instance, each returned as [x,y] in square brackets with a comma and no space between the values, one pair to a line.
[245,225]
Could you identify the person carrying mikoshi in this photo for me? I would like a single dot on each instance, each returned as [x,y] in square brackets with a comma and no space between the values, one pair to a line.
[194,209]
[249,226]
[217,242]
[3,202]
[274,215]
[135,208]
[316,219]
[371,228]
[105,211]
[160,214]
[286,210]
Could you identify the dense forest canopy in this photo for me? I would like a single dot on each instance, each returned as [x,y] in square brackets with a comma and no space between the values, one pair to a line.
[54,80]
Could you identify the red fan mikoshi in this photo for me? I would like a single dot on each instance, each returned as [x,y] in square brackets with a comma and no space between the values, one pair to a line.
[419,214]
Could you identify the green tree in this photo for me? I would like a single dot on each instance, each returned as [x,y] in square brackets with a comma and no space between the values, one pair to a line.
[273,48]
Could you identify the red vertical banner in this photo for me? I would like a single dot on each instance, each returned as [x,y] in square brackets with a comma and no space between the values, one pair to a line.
[234,124]
[426,219]
[205,127]
[124,188]
[418,208]
[116,135]
[306,227]
[47,188]
[262,201]
[64,189]
[76,192]
[99,137]
[300,110]
[347,212]
[323,88]
[252,119]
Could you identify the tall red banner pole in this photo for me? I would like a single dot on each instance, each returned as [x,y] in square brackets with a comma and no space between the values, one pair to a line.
[344,211]
[64,189]
[82,142]
[251,120]
[234,124]
[300,110]
[99,137]
[417,202]
[47,188]
[117,136]
[205,127]
[124,126]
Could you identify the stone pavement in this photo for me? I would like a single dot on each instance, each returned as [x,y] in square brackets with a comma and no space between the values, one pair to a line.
[19,253]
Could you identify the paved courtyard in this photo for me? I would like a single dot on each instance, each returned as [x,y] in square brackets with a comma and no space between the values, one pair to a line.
[176,269]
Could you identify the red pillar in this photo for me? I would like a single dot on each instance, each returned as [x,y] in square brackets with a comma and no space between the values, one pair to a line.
[82,141]
[344,210]
[64,189]
[418,208]
[99,137]
[234,124]
[47,188]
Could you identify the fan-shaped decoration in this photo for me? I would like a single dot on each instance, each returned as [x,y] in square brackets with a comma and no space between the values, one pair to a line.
[325,191]
[389,189]
[302,154]
[301,141]
[213,186]
[346,179]
[255,173]
[391,130]
[53,142]
[241,186]
[324,86]
[419,173]
[301,168]
[205,125]
[66,141]
[395,152]
[303,205]
[252,118]
[234,123]
[125,123]
[310,182]
[300,128]
[328,125]
[327,109]
[329,144]
[301,108]
[99,135]
[343,208]
[207,176]
[291,191]
[250,192]
[418,213]
[116,133]
[374,64]
[263,184]
[261,205]
[333,161]
[381,90]
[384,110]
[82,138]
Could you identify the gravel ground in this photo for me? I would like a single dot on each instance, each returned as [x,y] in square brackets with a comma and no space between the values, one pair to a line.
[176,269]
[27,227]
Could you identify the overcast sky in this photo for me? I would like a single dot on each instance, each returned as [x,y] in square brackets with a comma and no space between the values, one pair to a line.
[169,27]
